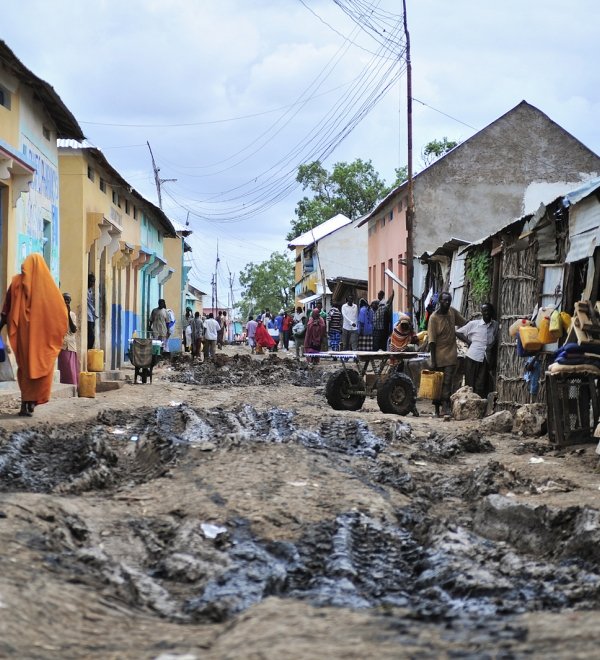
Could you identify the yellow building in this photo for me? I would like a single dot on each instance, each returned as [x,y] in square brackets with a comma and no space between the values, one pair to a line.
[128,244]
[32,116]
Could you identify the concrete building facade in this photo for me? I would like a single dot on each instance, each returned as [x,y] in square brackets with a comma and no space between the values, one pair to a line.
[32,116]
[517,161]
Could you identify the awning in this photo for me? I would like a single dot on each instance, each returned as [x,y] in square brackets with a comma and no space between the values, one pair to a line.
[306,301]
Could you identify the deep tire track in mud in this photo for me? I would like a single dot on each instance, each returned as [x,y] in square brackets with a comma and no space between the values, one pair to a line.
[488,559]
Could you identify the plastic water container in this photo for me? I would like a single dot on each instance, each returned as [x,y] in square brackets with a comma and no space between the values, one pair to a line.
[95,359]
[530,338]
[87,384]
[430,386]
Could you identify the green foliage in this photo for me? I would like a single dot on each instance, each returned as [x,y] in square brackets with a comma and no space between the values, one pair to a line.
[478,273]
[352,189]
[436,148]
[269,284]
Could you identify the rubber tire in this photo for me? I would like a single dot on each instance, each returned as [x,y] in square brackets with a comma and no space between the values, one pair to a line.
[336,388]
[397,394]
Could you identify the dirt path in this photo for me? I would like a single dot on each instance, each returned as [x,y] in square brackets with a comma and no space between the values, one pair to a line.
[242,517]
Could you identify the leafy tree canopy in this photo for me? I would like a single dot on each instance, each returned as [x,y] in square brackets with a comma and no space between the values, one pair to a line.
[269,284]
[352,189]
[436,148]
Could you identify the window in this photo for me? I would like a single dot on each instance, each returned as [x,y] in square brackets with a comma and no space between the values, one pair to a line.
[383,221]
[103,185]
[46,132]
[135,212]
[115,198]
[127,206]
[383,276]
[391,215]
[4,97]
[91,174]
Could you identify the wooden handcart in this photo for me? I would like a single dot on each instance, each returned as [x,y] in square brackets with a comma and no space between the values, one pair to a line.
[371,374]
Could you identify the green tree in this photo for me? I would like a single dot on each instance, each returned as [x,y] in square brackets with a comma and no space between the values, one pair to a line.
[436,148]
[352,189]
[269,284]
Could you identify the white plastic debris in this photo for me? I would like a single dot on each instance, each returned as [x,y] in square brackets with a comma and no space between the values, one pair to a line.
[118,432]
[536,459]
[298,484]
[134,438]
[212,531]
[422,463]
[174,403]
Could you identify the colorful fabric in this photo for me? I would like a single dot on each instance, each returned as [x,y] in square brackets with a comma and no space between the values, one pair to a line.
[365,343]
[335,338]
[68,365]
[315,331]
[37,323]
[403,334]
[262,337]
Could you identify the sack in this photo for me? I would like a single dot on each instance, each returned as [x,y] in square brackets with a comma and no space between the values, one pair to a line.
[299,329]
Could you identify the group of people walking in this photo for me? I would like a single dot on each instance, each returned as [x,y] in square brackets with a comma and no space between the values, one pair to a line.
[203,335]
[344,327]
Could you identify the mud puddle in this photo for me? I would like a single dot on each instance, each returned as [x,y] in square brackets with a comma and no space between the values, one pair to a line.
[243,370]
[476,568]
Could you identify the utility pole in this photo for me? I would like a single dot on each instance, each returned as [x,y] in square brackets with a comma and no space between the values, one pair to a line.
[215,279]
[231,278]
[157,180]
[410,208]
[212,290]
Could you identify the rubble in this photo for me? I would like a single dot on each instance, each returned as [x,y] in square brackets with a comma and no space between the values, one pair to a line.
[530,419]
[467,405]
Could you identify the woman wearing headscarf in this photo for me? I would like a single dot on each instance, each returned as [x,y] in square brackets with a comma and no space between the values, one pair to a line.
[403,334]
[366,316]
[315,331]
[37,320]
[263,338]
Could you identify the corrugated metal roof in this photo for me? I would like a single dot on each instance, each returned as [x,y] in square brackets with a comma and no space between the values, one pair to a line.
[66,124]
[317,233]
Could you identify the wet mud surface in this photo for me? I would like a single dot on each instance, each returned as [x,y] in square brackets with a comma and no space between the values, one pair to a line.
[226,371]
[191,523]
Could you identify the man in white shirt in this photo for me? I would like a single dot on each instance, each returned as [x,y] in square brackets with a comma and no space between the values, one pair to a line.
[211,332]
[349,325]
[481,335]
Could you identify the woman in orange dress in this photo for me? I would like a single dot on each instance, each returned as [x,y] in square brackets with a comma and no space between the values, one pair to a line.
[36,316]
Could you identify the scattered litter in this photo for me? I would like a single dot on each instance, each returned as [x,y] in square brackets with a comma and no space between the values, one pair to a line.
[422,463]
[119,432]
[536,459]
[298,484]
[174,403]
[212,531]
[134,438]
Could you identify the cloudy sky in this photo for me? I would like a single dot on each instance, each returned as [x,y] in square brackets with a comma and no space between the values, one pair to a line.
[233,95]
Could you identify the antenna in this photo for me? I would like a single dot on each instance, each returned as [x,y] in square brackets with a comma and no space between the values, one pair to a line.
[157,180]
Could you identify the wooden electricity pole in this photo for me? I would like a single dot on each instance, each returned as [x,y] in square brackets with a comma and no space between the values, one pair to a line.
[410,207]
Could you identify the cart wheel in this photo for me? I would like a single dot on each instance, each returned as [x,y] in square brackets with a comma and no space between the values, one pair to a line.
[396,394]
[337,390]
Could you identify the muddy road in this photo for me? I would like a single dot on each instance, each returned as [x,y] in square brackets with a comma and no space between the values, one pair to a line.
[225,511]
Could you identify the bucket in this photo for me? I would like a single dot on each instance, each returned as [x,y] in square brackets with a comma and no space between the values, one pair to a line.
[95,359]
[430,386]
[87,384]
[530,338]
